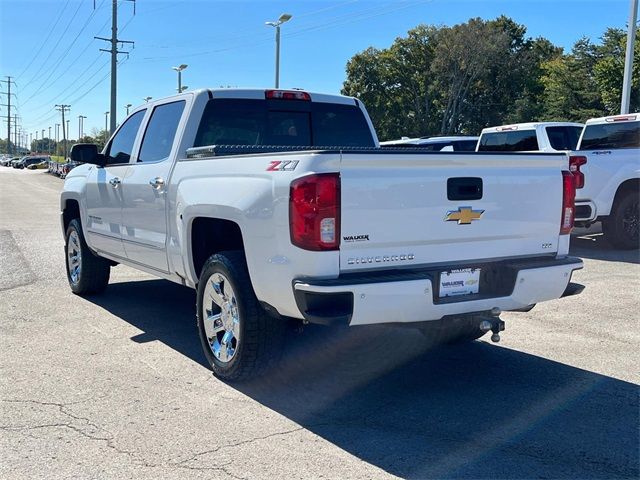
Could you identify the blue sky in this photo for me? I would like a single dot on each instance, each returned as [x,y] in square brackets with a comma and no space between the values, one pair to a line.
[226,43]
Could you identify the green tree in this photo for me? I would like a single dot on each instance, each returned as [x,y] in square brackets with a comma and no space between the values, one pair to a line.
[609,70]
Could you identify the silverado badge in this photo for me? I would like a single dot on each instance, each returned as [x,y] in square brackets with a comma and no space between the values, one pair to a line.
[464,215]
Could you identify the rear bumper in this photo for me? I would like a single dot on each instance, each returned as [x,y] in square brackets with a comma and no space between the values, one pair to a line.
[409,296]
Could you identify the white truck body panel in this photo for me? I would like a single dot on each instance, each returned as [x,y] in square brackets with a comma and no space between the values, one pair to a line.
[400,202]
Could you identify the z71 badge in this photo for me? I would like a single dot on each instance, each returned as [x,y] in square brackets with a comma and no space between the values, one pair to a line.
[282,165]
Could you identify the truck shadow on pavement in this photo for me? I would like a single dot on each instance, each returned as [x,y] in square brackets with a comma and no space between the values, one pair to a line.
[596,247]
[386,397]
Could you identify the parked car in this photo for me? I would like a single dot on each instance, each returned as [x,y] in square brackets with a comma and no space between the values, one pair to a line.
[531,137]
[435,144]
[18,162]
[27,161]
[38,166]
[232,193]
[7,161]
[65,168]
[609,159]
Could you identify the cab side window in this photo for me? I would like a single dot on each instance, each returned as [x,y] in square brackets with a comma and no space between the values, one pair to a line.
[121,146]
[161,131]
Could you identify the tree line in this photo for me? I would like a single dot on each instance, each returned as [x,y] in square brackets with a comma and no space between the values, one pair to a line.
[440,80]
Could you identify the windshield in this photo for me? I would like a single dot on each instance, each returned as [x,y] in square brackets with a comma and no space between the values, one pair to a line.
[282,122]
[611,135]
[564,137]
[511,141]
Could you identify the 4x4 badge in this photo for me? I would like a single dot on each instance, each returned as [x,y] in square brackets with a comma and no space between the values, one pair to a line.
[464,215]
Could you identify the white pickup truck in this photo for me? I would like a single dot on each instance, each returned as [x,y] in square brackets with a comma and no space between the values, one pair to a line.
[530,137]
[609,187]
[279,206]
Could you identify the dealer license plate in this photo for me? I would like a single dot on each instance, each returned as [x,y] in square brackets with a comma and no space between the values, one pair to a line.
[465,281]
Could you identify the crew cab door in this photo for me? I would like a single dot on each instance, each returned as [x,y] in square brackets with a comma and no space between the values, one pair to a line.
[144,190]
[103,197]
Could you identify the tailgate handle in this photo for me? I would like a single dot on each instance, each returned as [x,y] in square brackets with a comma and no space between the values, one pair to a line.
[464,188]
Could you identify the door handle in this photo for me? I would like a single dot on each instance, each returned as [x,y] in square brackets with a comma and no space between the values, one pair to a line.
[157,183]
[115,182]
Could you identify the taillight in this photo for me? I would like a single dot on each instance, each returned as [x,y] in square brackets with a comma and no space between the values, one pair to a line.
[575,162]
[287,95]
[568,203]
[314,212]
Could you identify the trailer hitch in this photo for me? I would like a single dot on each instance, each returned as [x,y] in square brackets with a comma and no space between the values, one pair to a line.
[493,323]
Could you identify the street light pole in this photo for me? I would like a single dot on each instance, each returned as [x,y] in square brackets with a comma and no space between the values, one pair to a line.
[179,70]
[80,126]
[146,99]
[285,17]
[127,106]
[628,58]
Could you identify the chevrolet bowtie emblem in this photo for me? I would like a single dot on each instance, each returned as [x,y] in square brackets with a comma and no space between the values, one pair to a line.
[464,215]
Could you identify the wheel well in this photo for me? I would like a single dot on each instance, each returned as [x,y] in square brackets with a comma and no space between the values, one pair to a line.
[71,211]
[210,236]
[633,184]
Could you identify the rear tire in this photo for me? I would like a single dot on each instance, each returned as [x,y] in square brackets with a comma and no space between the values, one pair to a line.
[621,228]
[239,339]
[86,272]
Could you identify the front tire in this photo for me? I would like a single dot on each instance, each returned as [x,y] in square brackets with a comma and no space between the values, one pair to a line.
[239,339]
[86,272]
[622,227]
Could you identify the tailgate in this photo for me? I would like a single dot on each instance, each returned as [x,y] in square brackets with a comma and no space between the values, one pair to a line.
[415,209]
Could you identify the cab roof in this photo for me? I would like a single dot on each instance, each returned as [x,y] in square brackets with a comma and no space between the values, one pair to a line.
[629,117]
[530,126]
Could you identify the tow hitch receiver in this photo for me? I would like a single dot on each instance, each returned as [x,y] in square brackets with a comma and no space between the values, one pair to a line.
[494,324]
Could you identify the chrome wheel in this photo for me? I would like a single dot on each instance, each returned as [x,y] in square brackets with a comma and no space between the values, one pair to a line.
[221,318]
[74,257]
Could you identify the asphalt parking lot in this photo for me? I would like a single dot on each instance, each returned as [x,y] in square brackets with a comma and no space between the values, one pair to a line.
[115,386]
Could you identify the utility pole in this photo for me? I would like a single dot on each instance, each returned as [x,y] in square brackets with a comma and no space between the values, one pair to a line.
[15,131]
[68,129]
[114,58]
[628,58]
[49,140]
[63,109]
[8,81]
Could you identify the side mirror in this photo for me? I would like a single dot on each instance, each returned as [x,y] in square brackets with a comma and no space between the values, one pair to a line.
[87,153]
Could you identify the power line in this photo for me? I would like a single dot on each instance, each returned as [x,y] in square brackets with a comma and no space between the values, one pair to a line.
[44,42]
[55,46]
[58,63]
[73,62]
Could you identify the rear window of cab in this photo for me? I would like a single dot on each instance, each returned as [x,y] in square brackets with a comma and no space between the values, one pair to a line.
[282,122]
[509,141]
[611,135]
